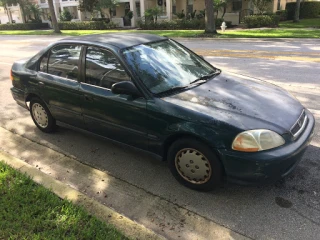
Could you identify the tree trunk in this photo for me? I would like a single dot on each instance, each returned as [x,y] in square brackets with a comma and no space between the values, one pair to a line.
[8,13]
[53,17]
[224,10]
[209,18]
[297,12]
[23,13]
[186,16]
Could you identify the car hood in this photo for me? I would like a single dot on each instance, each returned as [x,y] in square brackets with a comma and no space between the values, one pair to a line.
[235,99]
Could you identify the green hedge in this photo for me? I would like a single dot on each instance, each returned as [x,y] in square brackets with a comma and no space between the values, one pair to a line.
[87,25]
[179,24]
[307,10]
[24,26]
[255,21]
[282,14]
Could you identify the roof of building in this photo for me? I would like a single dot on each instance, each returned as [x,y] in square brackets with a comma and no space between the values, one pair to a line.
[120,40]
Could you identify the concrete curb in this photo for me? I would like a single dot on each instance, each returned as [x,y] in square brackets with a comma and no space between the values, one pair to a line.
[125,225]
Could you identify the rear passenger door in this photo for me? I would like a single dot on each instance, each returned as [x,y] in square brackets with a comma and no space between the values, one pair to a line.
[119,117]
[58,79]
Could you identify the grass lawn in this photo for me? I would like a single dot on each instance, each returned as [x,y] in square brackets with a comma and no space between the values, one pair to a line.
[29,211]
[303,23]
[247,33]
[274,33]
[286,29]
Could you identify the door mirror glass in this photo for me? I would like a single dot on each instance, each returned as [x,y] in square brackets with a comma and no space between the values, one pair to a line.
[125,87]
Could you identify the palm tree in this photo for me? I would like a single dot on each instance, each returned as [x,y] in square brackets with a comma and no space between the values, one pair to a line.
[53,17]
[35,10]
[297,12]
[209,18]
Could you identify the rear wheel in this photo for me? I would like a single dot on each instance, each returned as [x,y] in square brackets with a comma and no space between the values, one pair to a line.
[194,164]
[41,115]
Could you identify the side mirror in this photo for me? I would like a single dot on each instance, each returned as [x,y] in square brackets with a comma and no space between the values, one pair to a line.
[125,87]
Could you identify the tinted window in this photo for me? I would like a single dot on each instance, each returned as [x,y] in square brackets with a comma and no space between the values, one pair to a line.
[103,68]
[63,61]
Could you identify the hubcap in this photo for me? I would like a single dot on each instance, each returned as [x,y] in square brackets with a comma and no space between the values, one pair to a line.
[193,166]
[40,115]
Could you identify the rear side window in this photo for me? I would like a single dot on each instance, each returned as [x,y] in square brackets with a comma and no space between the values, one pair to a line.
[103,68]
[63,61]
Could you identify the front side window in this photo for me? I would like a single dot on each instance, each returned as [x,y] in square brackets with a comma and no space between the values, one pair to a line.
[103,69]
[237,5]
[165,65]
[64,60]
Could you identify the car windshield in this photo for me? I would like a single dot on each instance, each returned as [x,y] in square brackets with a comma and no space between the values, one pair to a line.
[166,65]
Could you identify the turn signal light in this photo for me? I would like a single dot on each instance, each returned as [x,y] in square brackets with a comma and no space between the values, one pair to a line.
[11,76]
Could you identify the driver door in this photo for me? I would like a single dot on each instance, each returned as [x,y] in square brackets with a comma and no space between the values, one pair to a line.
[119,117]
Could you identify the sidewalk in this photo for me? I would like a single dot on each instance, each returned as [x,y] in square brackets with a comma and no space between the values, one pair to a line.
[137,213]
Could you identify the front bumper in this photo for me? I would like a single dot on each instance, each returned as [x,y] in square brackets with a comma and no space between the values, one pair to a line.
[269,165]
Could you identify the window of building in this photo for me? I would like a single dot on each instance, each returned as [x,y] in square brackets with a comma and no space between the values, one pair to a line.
[174,6]
[190,6]
[138,9]
[237,5]
[103,68]
[113,11]
[64,60]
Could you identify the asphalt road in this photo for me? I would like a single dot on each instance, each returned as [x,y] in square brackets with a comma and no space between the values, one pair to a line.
[289,209]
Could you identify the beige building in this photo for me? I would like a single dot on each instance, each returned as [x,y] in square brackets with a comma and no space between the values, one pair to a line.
[236,10]
[10,14]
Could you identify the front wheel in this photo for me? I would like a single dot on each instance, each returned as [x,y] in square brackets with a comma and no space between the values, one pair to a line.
[194,164]
[41,115]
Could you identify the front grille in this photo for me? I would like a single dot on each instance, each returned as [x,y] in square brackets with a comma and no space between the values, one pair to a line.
[299,125]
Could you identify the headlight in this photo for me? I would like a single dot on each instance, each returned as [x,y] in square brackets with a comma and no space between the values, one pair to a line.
[257,140]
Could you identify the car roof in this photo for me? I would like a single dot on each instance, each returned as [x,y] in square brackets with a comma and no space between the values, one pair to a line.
[120,40]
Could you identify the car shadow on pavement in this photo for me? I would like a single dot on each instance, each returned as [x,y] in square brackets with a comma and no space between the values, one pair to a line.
[231,205]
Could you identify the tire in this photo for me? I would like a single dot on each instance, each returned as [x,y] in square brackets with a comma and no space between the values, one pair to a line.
[205,168]
[41,116]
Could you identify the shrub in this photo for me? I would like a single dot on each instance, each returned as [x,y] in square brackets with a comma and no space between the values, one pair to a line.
[282,14]
[178,24]
[255,21]
[307,10]
[24,26]
[65,15]
[180,15]
[103,19]
[87,25]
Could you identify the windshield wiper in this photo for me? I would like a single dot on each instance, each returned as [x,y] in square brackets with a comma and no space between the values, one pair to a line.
[173,89]
[198,81]
[204,78]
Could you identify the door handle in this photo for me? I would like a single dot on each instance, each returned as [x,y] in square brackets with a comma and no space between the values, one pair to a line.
[88,98]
